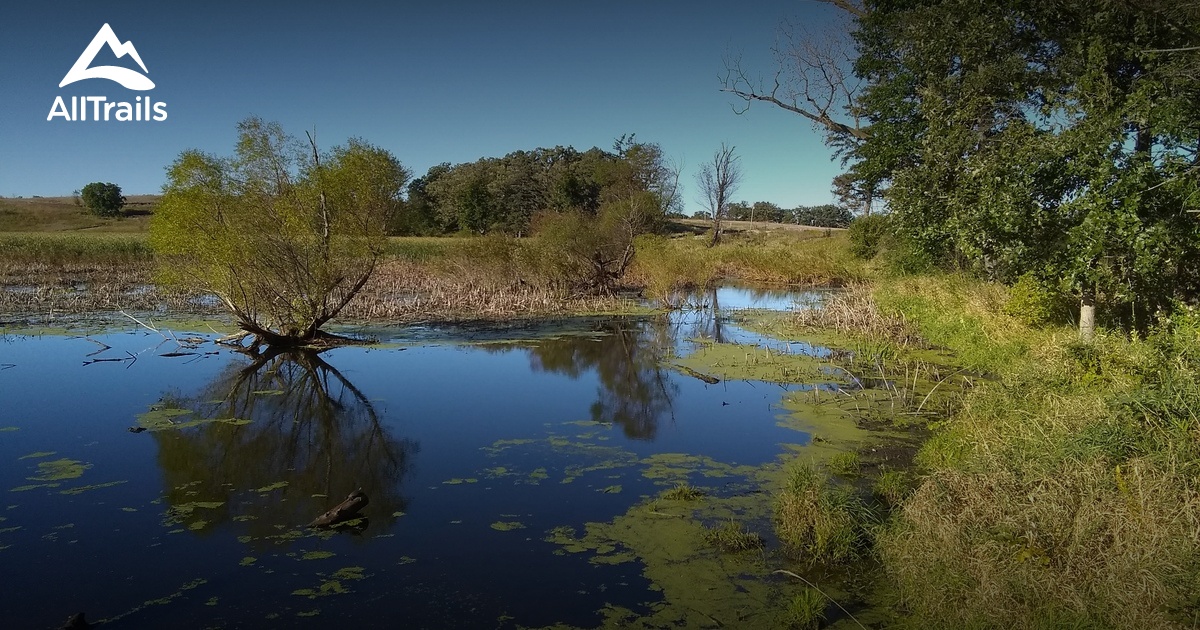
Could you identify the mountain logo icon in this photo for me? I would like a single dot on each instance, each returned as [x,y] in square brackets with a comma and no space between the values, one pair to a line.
[128,78]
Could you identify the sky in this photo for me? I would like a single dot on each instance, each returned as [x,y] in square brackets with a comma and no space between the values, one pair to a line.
[430,82]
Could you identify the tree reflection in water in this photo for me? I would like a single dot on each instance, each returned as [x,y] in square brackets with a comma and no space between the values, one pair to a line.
[313,438]
[635,391]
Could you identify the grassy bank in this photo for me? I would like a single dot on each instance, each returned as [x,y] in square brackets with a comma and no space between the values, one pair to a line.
[1063,493]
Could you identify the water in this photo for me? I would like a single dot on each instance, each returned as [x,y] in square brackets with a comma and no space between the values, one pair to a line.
[470,449]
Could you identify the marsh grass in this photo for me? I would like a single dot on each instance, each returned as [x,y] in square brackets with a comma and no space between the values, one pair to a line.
[846,464]
[820,521]
[1063,491]
[730,537]
[683,492]
[668,266]
[73,248]
[805,610]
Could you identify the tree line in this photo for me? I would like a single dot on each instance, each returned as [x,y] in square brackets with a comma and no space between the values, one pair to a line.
[1058,142]
[506,195]
[824,215]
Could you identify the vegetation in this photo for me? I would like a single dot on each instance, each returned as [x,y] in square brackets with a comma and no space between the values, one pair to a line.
[283,237]
[506,195]
[103,199]
[806,610]
[683,492]
[819,521]
[732,538]
[1072,130]
[1062,491]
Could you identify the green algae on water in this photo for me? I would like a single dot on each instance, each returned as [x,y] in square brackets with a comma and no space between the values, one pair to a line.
[59,470]
[167,418]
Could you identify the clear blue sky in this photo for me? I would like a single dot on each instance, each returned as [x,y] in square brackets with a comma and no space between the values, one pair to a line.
[430,82]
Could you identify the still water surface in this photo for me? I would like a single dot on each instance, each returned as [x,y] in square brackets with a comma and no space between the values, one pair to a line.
[470,443]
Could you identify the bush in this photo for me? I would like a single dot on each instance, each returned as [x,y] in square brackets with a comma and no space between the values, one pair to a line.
[1032,302]
[103,199]
[867,235]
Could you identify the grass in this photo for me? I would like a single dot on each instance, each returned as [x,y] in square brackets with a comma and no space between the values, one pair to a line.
[683,492]
[730,537]
[67,248]
[60,214]
[846,464]
[667,266]
[1064,490]
[819,521]
[805,610]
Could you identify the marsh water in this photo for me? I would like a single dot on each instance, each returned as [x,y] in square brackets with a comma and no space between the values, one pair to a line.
[159,480]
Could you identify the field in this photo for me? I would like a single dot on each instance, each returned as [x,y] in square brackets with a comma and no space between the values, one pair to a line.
[61,214]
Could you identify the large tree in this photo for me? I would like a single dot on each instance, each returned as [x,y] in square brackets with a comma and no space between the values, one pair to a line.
[281,233]
[1072,130]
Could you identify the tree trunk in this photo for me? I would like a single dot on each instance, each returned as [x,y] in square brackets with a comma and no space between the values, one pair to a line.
[1087,318]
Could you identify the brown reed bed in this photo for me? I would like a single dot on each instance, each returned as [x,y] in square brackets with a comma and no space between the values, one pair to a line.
[854,312]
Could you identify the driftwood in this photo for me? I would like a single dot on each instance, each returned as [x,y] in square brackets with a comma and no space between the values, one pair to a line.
[343,511]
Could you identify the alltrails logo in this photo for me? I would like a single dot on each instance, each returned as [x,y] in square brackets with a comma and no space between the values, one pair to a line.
[142,108]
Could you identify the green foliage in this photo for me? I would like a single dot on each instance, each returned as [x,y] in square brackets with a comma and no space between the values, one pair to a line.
[505,195]
[868,235]
[827,215]
[1024,137]
[284,237]
[1033,303]
[103,199]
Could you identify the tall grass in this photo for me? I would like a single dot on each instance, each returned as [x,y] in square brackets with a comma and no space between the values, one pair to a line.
[1064,492]
[63,248]
[664,266]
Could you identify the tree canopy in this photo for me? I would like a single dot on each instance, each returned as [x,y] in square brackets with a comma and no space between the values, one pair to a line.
[281,233]
[1057,140]
[103,199]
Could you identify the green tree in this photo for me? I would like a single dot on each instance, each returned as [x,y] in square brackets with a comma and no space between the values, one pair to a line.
[591,250]
[1072,130]
[103,199]
[283,235]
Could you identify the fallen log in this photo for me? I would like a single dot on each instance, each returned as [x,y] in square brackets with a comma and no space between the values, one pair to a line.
[711,380]
[343,511]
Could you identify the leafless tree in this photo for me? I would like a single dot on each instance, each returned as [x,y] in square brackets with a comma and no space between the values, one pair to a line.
[718,179]
[813,77]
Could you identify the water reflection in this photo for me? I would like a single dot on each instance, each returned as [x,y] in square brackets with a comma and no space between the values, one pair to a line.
[312,438]
[635,391]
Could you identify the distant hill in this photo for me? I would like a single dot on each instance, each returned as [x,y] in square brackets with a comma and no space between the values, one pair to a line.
[61,214]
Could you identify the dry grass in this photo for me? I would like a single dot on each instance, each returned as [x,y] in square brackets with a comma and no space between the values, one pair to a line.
[1094,544]
[854,312]
[407,291]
